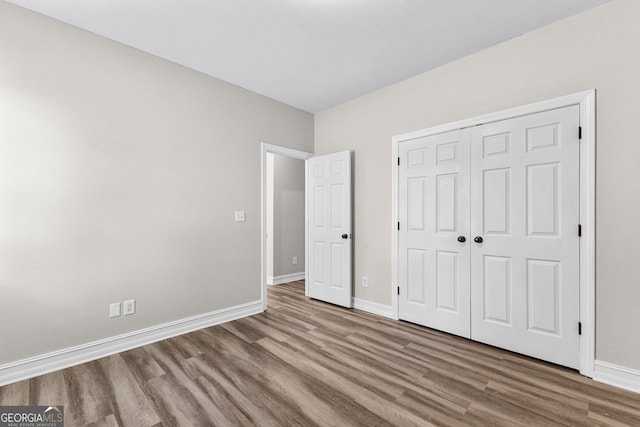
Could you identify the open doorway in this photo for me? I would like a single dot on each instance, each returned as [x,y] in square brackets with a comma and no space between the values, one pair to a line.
[285,219]
[283,222]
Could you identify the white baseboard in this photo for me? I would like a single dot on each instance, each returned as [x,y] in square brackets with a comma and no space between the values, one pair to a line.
[54,361]
[618,376]
[373,307]
[285,278]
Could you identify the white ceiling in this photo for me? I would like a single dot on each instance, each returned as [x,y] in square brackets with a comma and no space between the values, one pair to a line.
[312,54]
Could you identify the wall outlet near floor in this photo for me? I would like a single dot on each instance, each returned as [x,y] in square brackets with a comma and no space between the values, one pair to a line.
[129,307]
[295,260]
[239,216]
[365,281]
[114,309]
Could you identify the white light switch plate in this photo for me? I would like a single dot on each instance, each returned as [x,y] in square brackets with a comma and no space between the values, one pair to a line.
[239,216]
[114,309]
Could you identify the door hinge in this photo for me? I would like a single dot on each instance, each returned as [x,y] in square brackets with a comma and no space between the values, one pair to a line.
[398,290]
[398,225]
[398,161]
[579,328]
[579,132]
[579,230]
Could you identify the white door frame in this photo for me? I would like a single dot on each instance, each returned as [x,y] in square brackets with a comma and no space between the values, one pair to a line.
[586,101]
[281,151]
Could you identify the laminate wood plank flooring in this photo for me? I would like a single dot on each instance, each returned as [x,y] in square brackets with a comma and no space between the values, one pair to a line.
[306,363]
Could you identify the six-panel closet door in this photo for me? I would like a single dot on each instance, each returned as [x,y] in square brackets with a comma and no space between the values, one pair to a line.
[488,242]
[525,290]
[434,231]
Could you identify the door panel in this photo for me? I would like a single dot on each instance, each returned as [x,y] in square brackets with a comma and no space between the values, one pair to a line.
[543,296]
[497,289]
[496,201]
[329,210]
[433,212]
[524,282]
[542,199]
[415,199]
[446,196]
[416,260]
[447,281]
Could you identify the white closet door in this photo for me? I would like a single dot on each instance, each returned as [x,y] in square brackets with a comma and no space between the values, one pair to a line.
[434,213]
[525,208]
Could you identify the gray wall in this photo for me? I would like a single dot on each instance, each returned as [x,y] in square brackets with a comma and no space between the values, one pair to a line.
[597,49]
[119,176]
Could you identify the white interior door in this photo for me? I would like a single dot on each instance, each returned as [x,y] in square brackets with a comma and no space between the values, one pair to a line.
[328,192]
[525,207]
[434,232]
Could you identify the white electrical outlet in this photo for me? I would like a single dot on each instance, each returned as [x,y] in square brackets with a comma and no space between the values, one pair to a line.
[295,260]
[129,307]
[239,216]
[114,309]
[365,281]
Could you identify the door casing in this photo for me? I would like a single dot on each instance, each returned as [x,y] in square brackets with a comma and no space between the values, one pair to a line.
[586,102]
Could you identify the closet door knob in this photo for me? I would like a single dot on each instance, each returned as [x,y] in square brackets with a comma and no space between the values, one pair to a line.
[478,239]
[462,239]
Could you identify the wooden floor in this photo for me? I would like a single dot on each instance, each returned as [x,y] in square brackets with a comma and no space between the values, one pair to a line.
[306,363]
